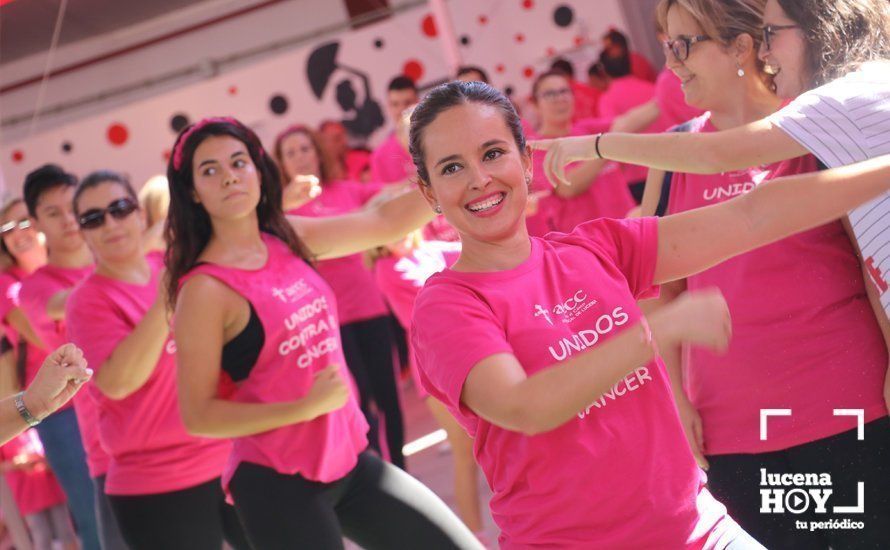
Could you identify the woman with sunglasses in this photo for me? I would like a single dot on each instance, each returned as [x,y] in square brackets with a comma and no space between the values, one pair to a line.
[365,322]
[796,305]
[260,358]
[597,189]
[162,482]
[832,55]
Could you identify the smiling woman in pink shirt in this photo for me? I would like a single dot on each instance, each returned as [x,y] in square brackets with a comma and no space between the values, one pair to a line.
[538,348]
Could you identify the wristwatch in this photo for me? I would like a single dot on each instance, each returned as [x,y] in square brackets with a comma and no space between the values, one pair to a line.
[23,410]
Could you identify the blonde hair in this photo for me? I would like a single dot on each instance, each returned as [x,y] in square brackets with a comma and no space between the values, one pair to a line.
[155,199]
[723,21]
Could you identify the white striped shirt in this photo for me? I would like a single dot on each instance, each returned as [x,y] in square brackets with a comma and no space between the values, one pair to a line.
[848,121]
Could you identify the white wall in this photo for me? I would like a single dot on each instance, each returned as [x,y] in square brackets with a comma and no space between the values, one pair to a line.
[492,44]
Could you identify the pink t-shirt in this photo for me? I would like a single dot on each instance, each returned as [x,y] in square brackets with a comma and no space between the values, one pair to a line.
[151,451]
[619,474]
[358,297]
[10,288]
[624,94]
[804,338]
[401,278]
[37,290]
[641,68]
[390,162]
[607,197]
[672,101]
[297,310]
[587,100]
[33,490]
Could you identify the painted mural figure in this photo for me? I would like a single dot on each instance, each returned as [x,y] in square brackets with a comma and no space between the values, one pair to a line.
[360,120]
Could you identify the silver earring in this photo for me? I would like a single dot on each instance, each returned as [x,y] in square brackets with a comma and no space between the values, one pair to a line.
[437,209]
[528,180]
[741,71]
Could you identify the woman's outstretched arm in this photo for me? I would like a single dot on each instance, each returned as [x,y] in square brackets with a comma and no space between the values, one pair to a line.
[693,241]
[760,142]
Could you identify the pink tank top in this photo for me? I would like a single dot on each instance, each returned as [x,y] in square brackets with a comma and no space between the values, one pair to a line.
[298,313]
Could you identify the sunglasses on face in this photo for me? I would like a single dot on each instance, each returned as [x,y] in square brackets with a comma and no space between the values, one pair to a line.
[24,223]
[680,47]
[770,30]
[95,217]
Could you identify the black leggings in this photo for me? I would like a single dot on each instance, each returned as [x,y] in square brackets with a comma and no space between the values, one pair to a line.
[368,346]
[196,518]
[376,505]
[735,480]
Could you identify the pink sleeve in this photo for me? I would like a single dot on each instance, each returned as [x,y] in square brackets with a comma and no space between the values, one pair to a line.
[378,166]
[9,295]
[93,325]
[588,126]
[607,107]
[630,243]
[33,299]
[366,191]
[453,330]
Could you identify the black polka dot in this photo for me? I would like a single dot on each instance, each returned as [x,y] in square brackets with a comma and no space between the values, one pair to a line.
[66,147]
[178,122]
[278,104]
[563,16]
[465,40]
[378,43]
[508,90]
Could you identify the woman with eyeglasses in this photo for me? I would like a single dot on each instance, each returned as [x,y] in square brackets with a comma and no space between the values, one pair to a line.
[832,55]
[162,482]
[21,244]
[596,189]
[797,306]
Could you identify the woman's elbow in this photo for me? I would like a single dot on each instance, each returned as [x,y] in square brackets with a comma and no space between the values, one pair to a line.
[197,423]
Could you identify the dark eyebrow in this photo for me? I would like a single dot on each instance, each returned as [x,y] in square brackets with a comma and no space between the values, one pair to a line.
[485,145]
[233,155]
[448,158]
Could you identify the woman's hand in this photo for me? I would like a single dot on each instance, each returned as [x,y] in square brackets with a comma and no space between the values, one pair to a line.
[329,391]
[563,151]
[699,318]
[302,189]
[59,378]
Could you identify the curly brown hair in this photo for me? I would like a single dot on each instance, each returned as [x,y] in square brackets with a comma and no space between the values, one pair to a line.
[840,35]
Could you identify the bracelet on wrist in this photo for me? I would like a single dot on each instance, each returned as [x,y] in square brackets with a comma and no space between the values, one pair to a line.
[26,415]
[596,145]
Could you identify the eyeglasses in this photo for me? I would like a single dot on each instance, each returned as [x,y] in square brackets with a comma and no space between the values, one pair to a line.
[95,217]
[551,95]
[680,47]
[24,223]
[770,30]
